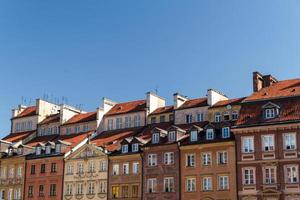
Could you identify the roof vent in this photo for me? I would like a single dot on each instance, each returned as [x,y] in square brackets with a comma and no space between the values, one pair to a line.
[294,90]
[265,94]
[119,108]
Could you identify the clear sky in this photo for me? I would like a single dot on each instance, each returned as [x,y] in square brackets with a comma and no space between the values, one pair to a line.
[85,50]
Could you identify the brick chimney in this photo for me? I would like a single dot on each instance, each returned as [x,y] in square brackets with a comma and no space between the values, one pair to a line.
[260,81]
[179,100]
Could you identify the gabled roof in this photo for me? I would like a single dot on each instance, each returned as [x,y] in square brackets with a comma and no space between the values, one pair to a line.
[127,107]
[82,117]
[235,101]
[74,139]
[194,103]
[15,137]
[41,139]
[51,119]
[162,110]
[280,89]
[29,111]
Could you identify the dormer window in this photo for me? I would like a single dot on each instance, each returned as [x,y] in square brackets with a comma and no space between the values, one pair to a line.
[218,117]
[20,150]
[125,148]
[155,138]
[48,149]
[10,151]
[135,147]
[225,132]
[38,150]
[226,116]
[194,136]
[172,136]
[270,113]
[210,134]
[234,115]
[57,148]
[271,110]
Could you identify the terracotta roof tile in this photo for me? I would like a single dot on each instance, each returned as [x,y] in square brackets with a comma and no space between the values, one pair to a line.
[51,119]
[161,110]
[83,117]
[41,139]
[74,139]
[285,88]
[29,111]
[127,107]
[252,113]
[229,102]
[193,103]
[15,137]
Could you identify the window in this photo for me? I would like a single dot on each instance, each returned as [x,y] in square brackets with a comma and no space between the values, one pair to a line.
[91,166]
[69,189]
[127,122]
[2,194]
[190,185]
[85,128]
[190,160]
[153,120]
[125,192]
[247,144]
[80,168]
[226,116]
[57,148]
[135,167]
[162,118]
[218,117]
[269,113]
[249,176]
[135,191]
[151,185]
[194,136]
[152,160]
[91,188]
[43,168]
[137,120]
[225,132]
[20,172]
[18,194]
[53,167]
[118,123]
[115,191]
[207,183]
[110,124]
[171,117]
[188,119]
[48,149]
[115,170]
[41,190]
[206,159]
[125,148]
[52,190]
[68,130]
[291,174]
[103,165]
[135,147]
[269,175]
[126,168]
[11,172]
[70,169]
[169,158]
[155,138]
[102,186]
[32,169]
[290,141]
[30,191]
[268,142]
[234,115]
[79,188]
[172,136]
[200,117]
[38,150]
[223,183]
[169,184]
[222,157]
[210,134]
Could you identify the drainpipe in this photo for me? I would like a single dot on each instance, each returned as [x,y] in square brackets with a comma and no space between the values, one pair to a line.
[179,179]
[142,174]
[63,178]
[107,178]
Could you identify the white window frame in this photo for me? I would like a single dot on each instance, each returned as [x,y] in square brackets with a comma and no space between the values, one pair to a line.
[190,160]
[151,185]
[270,113]
[225,132]
[290,141]
[135,167]
[250,148]
[210,134]
[194,136]
[125,148]
[294,178]
[268,142]
[152,160]
[218,117]
[172,136]
[115,169]
[223,182]
[249,178]
[207,183]
[155,138]
[169,184]
[125,168]
[206,159]
[188,118]
[270,175]
[169,158]
[135,147]
[190,185]
[222,157]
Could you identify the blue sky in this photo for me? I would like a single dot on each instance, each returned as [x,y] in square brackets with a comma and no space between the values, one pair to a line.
[85,50]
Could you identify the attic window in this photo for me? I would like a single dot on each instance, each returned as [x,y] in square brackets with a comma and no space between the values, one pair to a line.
[194,136]
[172,136]
[155,138]
[270,113]
[210,134]
[10,151]
[270,110]
[125,148]
[20,150]
[48,149]
[38,150]
[135,147]
[57,148]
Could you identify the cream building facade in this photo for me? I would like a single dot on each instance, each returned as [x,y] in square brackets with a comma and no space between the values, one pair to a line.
[86,174]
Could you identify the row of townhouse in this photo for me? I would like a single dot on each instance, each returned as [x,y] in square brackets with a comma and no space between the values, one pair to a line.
[206,148]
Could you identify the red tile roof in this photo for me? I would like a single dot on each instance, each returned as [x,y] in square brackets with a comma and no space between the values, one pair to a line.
[279,89]
[29,111]
[41,139]
[83,117]
[162,110]
[51,119]
[252,113]
[15,137]
[74,139]
[127,107]
[193,103]
[229,102]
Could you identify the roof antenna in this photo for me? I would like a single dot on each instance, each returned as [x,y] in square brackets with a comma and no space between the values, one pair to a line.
[156,89]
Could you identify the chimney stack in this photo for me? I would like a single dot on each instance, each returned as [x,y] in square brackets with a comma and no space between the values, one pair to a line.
[178,100]
[260,81]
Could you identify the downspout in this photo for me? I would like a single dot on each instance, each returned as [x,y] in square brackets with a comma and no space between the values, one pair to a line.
[63,178]
[107,178]
[142,174]
[179,160]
